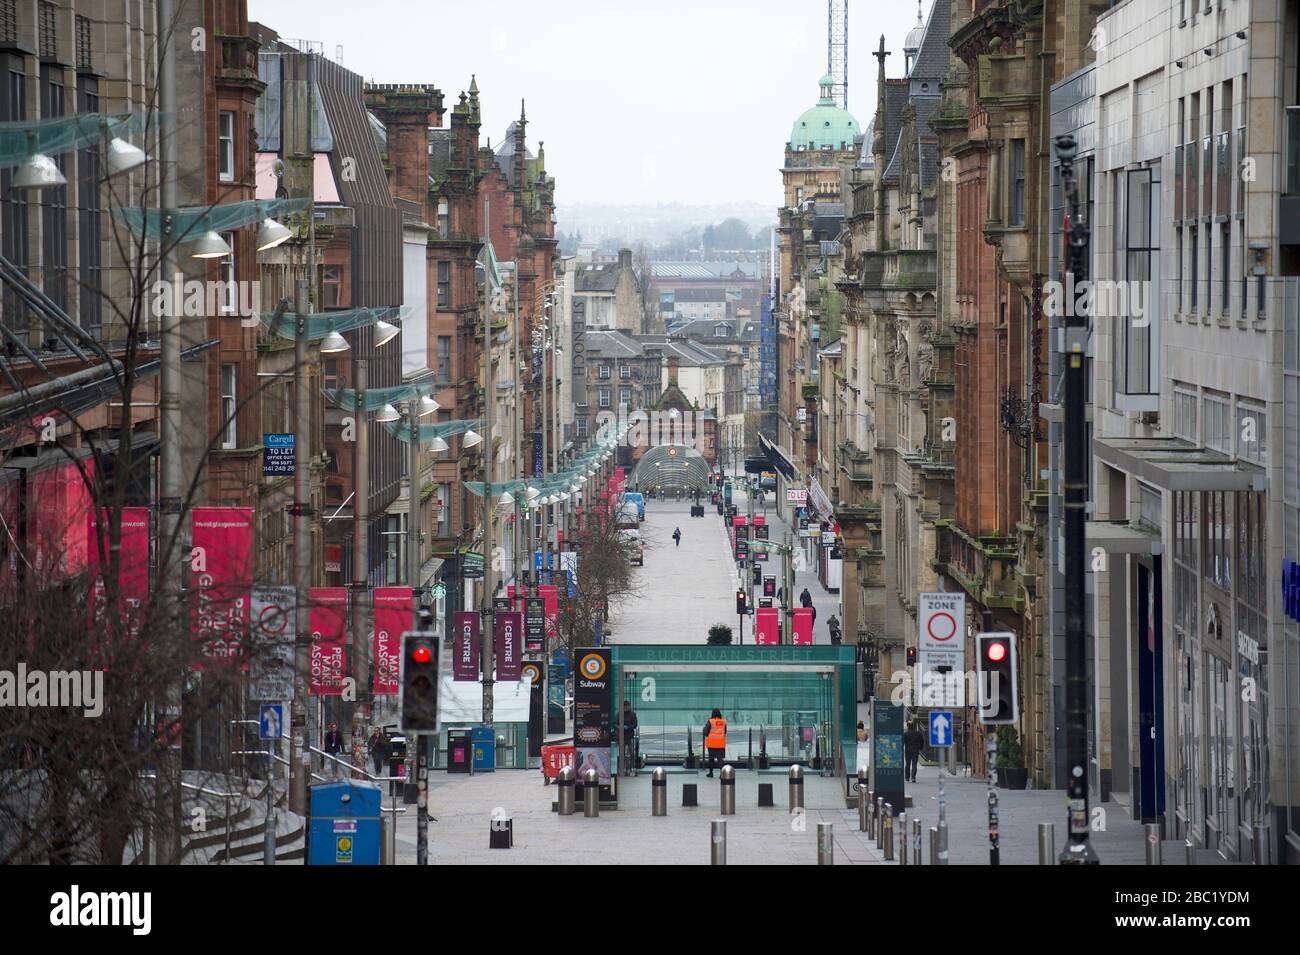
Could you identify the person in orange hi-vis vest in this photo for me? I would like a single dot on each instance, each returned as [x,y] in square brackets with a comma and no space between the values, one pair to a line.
[715,740]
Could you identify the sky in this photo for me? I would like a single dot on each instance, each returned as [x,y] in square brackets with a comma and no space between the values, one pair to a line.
[638,101]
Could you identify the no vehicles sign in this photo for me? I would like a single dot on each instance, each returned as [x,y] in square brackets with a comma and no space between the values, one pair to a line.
[941,642]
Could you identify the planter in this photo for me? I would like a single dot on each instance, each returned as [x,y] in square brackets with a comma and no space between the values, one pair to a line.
[1013,778]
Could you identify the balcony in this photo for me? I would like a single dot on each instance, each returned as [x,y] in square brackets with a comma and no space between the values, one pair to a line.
[238,59]
[856,463]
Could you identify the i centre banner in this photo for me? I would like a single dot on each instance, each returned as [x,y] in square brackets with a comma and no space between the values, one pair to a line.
[464,647]
[508,636]
[393,608]
[221,562]
[328,620]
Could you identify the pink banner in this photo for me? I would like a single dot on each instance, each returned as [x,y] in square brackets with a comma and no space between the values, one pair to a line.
[132,567]
[329,617]
[464,656]
[392,618]
[549,594]
[508,635]
[58,502]
[803,626]
[767,626]
[221,561]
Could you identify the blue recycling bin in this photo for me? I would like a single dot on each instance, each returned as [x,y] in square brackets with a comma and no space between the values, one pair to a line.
[345,827]
[484,740]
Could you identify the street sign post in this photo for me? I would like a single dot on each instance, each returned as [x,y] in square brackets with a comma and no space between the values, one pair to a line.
[270,667]
[941,649]
[940,728]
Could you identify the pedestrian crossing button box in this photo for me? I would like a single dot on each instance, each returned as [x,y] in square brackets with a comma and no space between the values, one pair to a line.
[345,824]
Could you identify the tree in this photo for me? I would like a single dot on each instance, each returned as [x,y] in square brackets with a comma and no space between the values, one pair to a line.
[728,235]
[604,578]
[719,635]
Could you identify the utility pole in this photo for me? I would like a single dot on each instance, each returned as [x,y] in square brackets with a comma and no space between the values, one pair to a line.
[171,565]
[485,598]
[1078,850]
[787,587]
[360,557]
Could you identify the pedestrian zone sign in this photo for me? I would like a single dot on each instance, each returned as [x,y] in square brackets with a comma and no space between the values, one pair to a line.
[940,728]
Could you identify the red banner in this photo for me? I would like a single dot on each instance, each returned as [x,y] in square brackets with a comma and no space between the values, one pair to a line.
[58,502]
[508,635]
[549,594]
[803,626]
[221,560]
[464,655]
[132,566]
[329,620]
[767,626]
[393,609]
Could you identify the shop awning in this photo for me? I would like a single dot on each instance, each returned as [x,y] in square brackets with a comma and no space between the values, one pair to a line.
[778,458]
[1120,537]
[1173,464]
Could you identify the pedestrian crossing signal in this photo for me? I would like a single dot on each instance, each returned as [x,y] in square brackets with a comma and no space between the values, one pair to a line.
[998,700]
[740,602]
[418,704]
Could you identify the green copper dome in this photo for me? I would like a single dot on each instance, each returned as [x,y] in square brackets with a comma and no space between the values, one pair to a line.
[825,125]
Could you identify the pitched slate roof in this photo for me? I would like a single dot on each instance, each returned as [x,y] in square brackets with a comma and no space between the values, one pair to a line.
[932,57]
[597,278]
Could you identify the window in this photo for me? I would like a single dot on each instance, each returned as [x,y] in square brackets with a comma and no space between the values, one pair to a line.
[1225,267]
[1195,259]
[625,371]
[444,359]
[1016,212]
[444,284]
[604,398]
[228,433]
[1252,433]
[604,371]
[331,286]
[226,276]
[625,396]
[89,235]
[1185,414]
[54,201]
[1178,264]
[444,219]
[48,35]
[1137,203]
[83,43]
[582,427]
[1218,433]
[226,146]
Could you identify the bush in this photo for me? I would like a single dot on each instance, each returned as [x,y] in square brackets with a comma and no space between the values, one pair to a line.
[1010,753]
[719,635]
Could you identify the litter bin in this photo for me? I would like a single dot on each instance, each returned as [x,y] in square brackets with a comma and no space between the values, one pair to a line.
[485,748]
[460,751]
[345,827]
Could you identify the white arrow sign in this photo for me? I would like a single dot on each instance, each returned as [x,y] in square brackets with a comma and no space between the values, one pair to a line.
[940,728]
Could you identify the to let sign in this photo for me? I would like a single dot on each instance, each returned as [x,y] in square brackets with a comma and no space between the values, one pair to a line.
[277,454]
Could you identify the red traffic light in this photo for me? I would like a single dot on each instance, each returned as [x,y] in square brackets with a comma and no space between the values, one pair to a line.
[421,655]
[997,652]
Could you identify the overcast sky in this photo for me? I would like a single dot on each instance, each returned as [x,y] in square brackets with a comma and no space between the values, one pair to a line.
[637,100]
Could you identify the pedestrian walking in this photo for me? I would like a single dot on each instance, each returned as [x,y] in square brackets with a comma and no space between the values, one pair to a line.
[333,745]
[378,747]
[715,740]
[631,756]
[833,625]
[862,732]
[913,740]
[677,536]
[805,598]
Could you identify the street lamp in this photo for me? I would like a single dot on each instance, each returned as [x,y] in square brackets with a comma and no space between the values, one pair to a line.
[211,245]
[472,439]
[384,332]
[333,343]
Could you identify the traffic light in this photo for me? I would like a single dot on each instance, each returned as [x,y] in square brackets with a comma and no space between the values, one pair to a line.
[740,602]
[911,656]
[996,653]
[418,704]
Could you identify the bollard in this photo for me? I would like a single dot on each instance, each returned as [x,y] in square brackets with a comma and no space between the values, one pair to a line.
[659,792]
[718,843]
[934,845]
[728,782]
[1262,831]
[1153,843]
[501,832]
[887,831]
[880,822]
[825,844]
[590,794]
[862,808]
[902,839]
[916,842]
[1190,850]
[796,788]
[1047,843]
[385,852]
[565,796]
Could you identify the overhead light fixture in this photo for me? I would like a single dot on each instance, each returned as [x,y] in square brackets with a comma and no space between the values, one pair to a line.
[122,156]
[38,170]
[384,332]
[388,413]
[532,494]
[270,234]
[210,245]
[333,343]
[439,444]
[426,407]
[506,499]
[471,439]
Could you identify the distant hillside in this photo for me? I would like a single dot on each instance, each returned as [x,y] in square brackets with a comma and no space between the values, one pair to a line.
[654,224]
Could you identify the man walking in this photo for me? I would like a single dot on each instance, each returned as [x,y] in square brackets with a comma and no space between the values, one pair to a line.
[630,754]
[677,536]
[715,740]
[333,746]
[913,740]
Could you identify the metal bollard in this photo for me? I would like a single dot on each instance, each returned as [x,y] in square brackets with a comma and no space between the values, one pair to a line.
[825,843]
[934,845]
[590,794]
[385,854]
[565,795]
[916,842]
[728,783]
[862,808]
[796,788]
[887,831]
[1047,843]
[659,792]
[1153,843]
[902,839]
[718,843]
[880,822]
[1190,850]
[1263,833]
